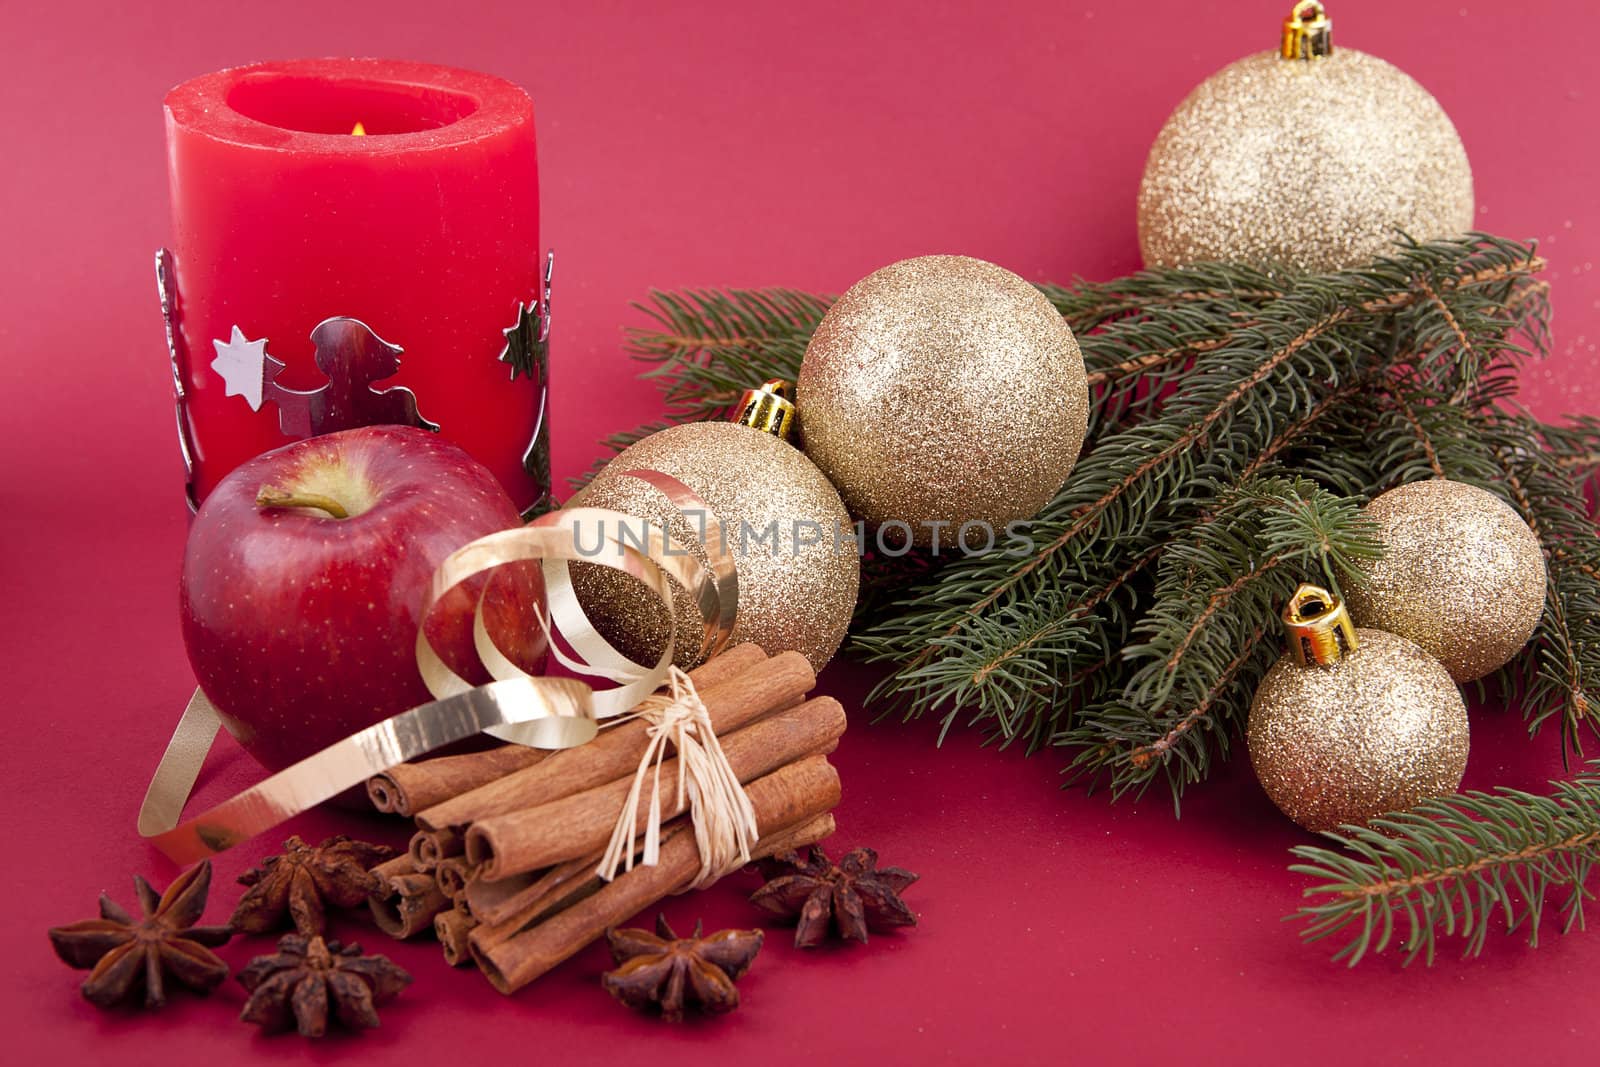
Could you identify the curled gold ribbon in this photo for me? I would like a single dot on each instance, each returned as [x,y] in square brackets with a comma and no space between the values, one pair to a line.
[336,768]
[541,711]
[717,599]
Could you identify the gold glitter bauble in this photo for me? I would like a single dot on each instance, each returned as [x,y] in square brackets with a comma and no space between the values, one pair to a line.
[1462,575]
[943,389]
[1312,164]
[1379,730]
[796,590]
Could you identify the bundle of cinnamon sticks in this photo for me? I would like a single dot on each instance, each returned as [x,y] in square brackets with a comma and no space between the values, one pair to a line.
[503,867]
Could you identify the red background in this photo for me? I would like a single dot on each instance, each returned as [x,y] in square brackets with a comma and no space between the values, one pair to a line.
[747,144]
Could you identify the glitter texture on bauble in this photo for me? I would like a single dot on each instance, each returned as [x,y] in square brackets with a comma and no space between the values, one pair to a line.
[790,598]
[1379,730]
[1461,575]
[1312,164]
[943,389]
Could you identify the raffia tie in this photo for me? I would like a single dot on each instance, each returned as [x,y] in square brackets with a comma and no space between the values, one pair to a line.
[720,812]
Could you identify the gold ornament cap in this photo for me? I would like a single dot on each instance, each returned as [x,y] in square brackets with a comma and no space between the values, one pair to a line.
[1320,631]
[1307,32]
[768,408]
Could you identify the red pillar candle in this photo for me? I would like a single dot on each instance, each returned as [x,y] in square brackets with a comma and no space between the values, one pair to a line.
[425,227]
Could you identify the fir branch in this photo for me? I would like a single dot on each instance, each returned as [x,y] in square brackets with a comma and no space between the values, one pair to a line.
[1211,630]
[1150,361]
[1559,674]
[1143,756]
[1003,674]
[1240,566]
[1519,459]
[884,578]
[1575,447]
[1220,410]
[1236,389]
[1087,519]
[1294,433]
[1276,397]
[1090,305]
[710,346]
[1430,452]
[1452,866]
[1204,381]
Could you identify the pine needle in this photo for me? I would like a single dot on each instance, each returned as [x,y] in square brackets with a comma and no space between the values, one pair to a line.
[1239,418]
[1460,867]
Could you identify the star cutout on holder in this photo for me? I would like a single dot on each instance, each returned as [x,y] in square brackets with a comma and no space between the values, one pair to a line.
[245,367]
[524,350]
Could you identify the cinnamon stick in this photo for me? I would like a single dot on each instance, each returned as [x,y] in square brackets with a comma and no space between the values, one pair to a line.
[453,928]
[493,901]
[453,874]
[807,833]
[615,753]
[428,847]
[582,823]
[410,787]
[413,787]
[525,895]
[789,797]
[727,665]
[408,899]
[564,884]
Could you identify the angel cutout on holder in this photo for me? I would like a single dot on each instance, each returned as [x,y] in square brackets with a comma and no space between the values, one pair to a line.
[352,357]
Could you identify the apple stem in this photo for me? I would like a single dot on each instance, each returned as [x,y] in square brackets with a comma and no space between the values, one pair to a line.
[271,496]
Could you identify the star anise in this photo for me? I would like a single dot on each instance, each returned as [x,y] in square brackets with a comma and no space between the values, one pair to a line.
[126,954]
[302,881]
[663,968]
[299,984]
[856,894]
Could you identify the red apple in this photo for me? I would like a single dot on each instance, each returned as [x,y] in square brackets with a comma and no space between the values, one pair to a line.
[304,578]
